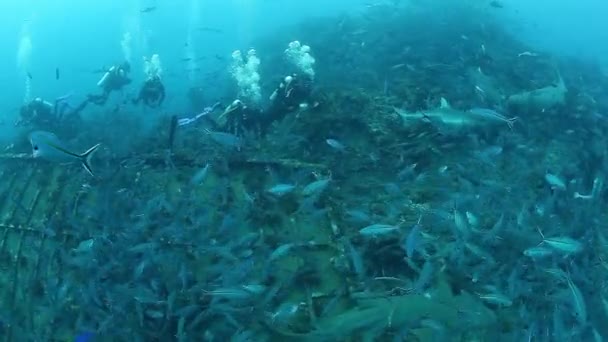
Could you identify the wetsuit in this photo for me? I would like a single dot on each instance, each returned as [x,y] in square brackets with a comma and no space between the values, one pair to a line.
[38,113]
[291,92]
[114,79]
[152,92]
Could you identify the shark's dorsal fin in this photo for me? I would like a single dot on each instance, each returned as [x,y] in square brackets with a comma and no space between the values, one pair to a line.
[445,103]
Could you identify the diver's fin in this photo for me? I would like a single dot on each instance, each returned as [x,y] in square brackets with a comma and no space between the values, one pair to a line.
[445,103]
[85,159]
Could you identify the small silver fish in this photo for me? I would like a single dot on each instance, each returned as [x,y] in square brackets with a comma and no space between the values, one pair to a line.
[225,139]
[496,298]
[238,293]
[412,240]
[563,244]
[284,312]
[488,153]
[316,187]
[46,145]
[581,196]
[281,251]
[578,302]
[472,219]
[527,53]
[538,252]
[281,189]
[378,229]
[84,246]
[358,216]
[480,90]
[335,144]
[555,181]
[154,314]
[461,223]
[200,175]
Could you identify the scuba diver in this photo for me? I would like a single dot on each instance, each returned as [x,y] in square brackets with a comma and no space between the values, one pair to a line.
[294,92]
[152,92]
[44,115]
[38,113]
[113,80]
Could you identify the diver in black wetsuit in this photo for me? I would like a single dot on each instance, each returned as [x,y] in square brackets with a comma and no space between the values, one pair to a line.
[38,113]
[152,92]
[293,92]
[44,115]
[114,79]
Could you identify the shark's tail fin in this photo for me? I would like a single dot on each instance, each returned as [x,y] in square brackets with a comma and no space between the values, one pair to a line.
[85,159]
[560,80]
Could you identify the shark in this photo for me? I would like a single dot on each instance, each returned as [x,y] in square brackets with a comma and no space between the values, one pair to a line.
[539,99]
[448,116]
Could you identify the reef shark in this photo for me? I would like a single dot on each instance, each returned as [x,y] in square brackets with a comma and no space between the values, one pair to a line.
[448,116]
[539,99]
